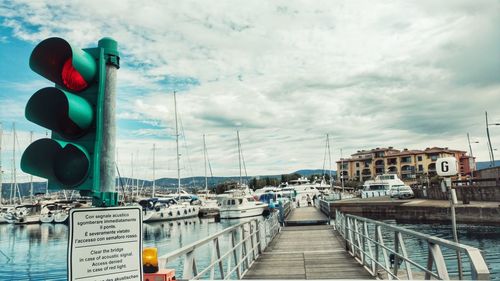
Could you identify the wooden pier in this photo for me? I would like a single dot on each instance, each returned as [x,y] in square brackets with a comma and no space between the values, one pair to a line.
[306,248]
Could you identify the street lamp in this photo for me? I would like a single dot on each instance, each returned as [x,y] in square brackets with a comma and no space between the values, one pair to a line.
[471,162]
[492,157]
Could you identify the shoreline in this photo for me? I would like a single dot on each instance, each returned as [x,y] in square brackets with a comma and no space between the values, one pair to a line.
[416,210]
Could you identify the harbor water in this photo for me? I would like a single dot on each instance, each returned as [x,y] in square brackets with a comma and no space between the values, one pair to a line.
[39,252]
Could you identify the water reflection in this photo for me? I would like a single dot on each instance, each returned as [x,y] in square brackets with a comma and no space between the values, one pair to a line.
[39,252]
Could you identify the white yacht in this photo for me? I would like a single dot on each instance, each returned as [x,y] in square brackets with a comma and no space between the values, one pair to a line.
[160,209]
[240,205]
[303,188]
[383,185]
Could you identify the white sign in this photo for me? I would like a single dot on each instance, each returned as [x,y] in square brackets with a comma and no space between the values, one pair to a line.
[105,244]
[447,166]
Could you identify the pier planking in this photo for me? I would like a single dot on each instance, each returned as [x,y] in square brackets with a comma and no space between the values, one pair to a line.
[309,251]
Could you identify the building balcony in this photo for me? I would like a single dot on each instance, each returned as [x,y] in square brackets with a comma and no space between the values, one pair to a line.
[405,172]
[380,166]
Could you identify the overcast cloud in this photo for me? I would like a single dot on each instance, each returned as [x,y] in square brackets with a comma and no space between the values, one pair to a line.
[407,74]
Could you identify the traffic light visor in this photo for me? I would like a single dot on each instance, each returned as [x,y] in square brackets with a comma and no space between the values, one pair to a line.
[64,164]
[56,60]
[67,114]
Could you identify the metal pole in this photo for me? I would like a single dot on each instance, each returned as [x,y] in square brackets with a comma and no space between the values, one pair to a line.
[107,161]
[492,157]
[31,176]
[239,156]
[177,149]
[1,170]
[205,158]
[154,178]
[341,172]
[454,226]
[471,164]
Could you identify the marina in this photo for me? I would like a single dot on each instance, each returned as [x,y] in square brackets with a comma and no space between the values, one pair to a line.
[111,111]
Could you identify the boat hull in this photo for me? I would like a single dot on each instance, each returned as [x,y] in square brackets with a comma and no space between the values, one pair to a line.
[170,213]
[237,213]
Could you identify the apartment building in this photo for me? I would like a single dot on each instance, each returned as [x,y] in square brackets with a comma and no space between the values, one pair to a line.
[409,165]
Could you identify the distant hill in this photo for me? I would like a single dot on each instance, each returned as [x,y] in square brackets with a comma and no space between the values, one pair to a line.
[307,173]
[486,164]
[163,183]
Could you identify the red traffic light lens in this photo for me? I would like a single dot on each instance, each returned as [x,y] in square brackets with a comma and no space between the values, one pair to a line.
[71,78]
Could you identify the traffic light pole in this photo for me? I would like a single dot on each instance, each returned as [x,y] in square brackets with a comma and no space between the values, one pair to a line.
[108,148]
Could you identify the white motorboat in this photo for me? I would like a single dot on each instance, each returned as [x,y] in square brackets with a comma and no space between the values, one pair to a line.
[62,215]
[381,186]
[304,188]
[158,209]
[47,213]
[24,214]
[4,211]
[241,205]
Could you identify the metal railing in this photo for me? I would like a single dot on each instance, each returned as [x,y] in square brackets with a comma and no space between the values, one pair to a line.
[244,243]
[381,249]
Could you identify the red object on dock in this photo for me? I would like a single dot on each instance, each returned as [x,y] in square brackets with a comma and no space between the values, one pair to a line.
[161,275]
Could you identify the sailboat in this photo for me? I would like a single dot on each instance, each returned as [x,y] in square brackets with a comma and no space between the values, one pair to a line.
[240,203]
[209,204]
[168,208]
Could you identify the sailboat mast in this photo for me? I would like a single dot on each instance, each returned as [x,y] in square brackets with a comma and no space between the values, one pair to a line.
[154,178]
[205,157]
[31,176]
[329,159]
[1,170]
[177,148]
[239,156]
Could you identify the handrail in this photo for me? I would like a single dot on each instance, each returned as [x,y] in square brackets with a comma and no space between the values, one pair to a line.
[245,243]
[360,242]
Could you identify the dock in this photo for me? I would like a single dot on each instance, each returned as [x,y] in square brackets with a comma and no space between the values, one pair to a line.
[306,216]
[306,248]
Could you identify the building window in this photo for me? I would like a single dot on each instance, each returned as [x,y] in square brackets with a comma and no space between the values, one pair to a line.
[406,159]
[419,158]
[420,167]
[357,164]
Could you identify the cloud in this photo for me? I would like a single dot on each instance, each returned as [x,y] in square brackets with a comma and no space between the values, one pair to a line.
[285,73]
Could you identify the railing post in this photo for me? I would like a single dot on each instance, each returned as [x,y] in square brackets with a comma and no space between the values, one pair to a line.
[401,242]
[235,254]
[189,266]
[363,242]
[257,230]
[346,233]
[396,253]
[377,250]
[438,258]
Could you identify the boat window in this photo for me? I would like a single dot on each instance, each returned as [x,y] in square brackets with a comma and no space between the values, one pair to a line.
[233,202]
[240,200]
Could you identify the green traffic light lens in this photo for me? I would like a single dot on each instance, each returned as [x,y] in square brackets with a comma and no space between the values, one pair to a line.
[71,166]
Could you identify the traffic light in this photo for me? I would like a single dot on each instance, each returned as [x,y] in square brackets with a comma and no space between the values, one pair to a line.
[73,111]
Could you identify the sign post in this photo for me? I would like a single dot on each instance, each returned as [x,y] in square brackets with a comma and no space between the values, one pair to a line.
[447,167]
[105,244]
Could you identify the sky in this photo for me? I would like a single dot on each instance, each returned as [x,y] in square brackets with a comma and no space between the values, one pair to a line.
[407,74]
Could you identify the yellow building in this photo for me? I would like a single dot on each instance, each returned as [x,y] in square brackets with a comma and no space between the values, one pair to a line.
[407,164]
